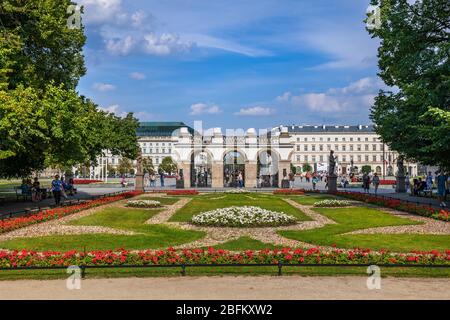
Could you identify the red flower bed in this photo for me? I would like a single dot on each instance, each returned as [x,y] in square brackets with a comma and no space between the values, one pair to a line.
[181,192]
[25,258]
[56,213]
[387,182]
[85,181]
[289,191]
[439,214]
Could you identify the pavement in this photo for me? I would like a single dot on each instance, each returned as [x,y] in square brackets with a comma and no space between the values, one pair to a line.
[229,288]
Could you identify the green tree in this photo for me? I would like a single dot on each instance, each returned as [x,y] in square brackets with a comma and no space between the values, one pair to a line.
[293,169]
[414,57]
[307,167]
[125,166]
[168,165]
[43,120]
[147,165]
[366,169]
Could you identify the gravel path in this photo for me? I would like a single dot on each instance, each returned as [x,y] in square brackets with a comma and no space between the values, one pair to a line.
[165,215]
[58,227]
[229,288]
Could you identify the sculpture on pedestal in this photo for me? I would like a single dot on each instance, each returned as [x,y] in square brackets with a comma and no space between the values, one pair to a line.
[139,184]
[400,186]
[332,178]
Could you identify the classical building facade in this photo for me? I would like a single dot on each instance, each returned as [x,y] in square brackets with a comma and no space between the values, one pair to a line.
[213,158]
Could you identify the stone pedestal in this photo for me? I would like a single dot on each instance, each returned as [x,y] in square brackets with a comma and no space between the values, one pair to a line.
[186,175]
[284,167]
[400,187]
[332,184]
[139,182]
[250,174]
[217,175]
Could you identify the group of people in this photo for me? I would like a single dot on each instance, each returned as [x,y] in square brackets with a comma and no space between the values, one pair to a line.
[442,182]
[235,179]
[369,179]
[62,188]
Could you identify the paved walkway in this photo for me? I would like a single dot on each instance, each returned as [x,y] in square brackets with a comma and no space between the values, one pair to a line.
[230,288]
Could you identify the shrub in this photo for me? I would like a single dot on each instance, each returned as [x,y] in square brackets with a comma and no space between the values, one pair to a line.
[143,204]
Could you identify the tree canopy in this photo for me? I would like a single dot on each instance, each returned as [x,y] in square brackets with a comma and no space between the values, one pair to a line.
[414,117]
[43,120]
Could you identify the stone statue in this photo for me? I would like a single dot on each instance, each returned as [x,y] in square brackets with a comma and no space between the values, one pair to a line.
[332,164]
[139,180]
[400,167]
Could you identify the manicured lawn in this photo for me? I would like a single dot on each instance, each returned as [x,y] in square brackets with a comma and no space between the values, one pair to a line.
[350,219]
[310,199]
[245,243]
[162,200]
[205,203]
[150,236]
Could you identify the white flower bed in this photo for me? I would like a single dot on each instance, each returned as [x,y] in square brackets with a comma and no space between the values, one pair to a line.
[332,203]
[246,216]
[236,191]
[143,204]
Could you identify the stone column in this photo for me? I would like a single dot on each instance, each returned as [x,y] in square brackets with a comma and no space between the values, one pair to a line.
[186,174]
[217,175]
[284,167]
[250,174]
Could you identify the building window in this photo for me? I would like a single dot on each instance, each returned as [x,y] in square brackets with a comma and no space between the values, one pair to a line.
[374,158]
[367,158]
[336,139]
[336,147]
[329,147]
[344,147]
[298,139]
[351,139]
[359,158]
[344,158]
[366,147]
[306,139]
[321,158]
[305,147]
[321,147]
[313,147]
[367,139]
[298,147]
[306,158]
[298,158]
[313,159]
[374,147]
[351,147]
[359,147]
[329,139]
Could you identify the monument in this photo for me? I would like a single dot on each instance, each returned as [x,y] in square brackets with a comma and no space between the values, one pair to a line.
[139,180]
[400,177]
[332,177]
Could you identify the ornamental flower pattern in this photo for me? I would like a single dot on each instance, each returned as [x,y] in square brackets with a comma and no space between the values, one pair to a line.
[332,203]
[245,216]
[143,204]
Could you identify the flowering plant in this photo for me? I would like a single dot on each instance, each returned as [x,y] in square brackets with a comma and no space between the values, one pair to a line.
[143,204]
[289,191]
[237,191]
[246,216]
[332,203]
[85,181]
[26,258]
[181,192]
[56,213]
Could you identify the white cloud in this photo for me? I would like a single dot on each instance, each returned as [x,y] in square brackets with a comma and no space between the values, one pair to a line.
[120,46]
[203,108]
[118,111]
[255,111]
[138,18]
[165,44]
[138,76]
[101,11]
[355,97]
[103,87]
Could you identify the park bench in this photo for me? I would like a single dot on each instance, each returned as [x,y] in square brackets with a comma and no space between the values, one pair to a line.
[426,192]
[22,193]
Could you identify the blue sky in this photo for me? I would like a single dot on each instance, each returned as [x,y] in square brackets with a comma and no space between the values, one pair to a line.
[231,63]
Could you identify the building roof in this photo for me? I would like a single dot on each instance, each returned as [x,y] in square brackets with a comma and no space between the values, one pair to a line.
[331,129]
[160,129]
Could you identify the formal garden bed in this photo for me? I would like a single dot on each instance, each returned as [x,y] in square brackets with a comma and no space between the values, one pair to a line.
[246,216]
[143,204]
[332,203]
[422,210]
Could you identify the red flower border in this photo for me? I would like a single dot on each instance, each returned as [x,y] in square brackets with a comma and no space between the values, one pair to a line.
[56,213]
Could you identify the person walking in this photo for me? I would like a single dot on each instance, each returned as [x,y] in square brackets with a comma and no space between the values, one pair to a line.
[152,180]
[429,181]
[376,182]
[56,189]
[314,181]
[240,180]
[407,182]
[441,181]
[291,180]
[161,177]
[366,183]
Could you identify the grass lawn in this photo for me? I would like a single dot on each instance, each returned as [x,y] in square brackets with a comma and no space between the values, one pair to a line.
[162,200]
[215,201]
[350,219]
[245,243]
[310,199]
[150,236]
